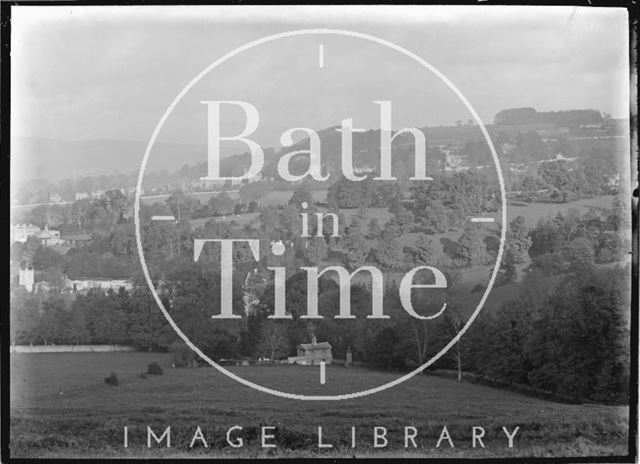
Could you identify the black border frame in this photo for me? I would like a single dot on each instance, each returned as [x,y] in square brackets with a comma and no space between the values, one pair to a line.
[5,149]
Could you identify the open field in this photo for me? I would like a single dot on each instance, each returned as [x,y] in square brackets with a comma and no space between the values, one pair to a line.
[35,375]
[282,197]
[89,421]
[533,212]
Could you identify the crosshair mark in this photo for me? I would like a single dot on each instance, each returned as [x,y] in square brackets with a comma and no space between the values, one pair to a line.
[163,218]
[323,373]
[485,219]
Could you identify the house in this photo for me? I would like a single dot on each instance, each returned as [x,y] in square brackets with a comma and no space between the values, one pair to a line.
[104,284]
[48,237]
[21,232]
[313,353]
[75,239]
[210,184]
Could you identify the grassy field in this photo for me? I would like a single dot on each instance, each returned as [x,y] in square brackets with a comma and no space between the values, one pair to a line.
[34,375]
[89,421]
[533,212]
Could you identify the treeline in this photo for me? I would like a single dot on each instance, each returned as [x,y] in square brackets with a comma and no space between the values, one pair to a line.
[530,167]
[97,317]
[594,173]
[574,342]
[573,241]
[515,116]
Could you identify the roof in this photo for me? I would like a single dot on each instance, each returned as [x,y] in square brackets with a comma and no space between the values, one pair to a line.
[317,346]
[76,237]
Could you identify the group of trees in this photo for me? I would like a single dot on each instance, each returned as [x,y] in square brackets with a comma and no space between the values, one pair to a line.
[571,240]
[189,207]
[565,118]
[593,173]
[111,208]
[573,341]
[97,317]
[111,255]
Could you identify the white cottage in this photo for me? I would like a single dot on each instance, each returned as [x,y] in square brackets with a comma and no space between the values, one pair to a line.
[313,353]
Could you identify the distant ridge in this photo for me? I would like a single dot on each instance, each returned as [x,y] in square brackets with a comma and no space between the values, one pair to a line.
[56,159]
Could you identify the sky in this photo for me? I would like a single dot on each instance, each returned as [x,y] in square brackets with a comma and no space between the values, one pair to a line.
[95,73]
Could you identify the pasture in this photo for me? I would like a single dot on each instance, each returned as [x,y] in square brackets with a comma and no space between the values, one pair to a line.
[89,421]
[533,212]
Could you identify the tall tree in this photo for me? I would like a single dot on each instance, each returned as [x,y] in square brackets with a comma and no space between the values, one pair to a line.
[273,341]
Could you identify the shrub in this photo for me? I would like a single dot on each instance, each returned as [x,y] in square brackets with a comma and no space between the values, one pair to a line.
[477,288]
[112,380]
[154,369]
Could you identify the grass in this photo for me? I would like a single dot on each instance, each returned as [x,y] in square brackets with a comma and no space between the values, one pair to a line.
[35,375]
[89,422]
[533,212]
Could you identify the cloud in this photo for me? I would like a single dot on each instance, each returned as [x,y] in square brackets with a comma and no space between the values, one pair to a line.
[110,72]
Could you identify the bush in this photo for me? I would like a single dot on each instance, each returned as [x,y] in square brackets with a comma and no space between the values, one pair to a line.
[154,369]
[112,380]
[477,288]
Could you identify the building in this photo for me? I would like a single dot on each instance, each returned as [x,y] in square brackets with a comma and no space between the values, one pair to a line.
[48,237]
[210,184]
[26,279]
[21,232]
[76,239]
[104,284]
[55,198]
[313,353]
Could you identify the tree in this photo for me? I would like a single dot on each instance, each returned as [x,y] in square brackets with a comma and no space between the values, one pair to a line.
[610,247]
[51,327]
[388,252]
[579,254]
[273,340]
[356,244]
[182,206]
[424,251]
[518,240]
[405,218]
[472,247]
[302,194]
[619,217]
[29,251]
[374,228]
[508,272]
[221,205]
[453,322]
[147,328]
[316,250]
[253,207]
[345,193]
[383,353]
[579,345]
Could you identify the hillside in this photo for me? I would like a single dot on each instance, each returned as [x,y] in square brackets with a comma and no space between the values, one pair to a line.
[186,398]
[58,159]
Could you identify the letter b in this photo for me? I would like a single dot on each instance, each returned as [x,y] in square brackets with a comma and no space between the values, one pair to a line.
[214,138]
